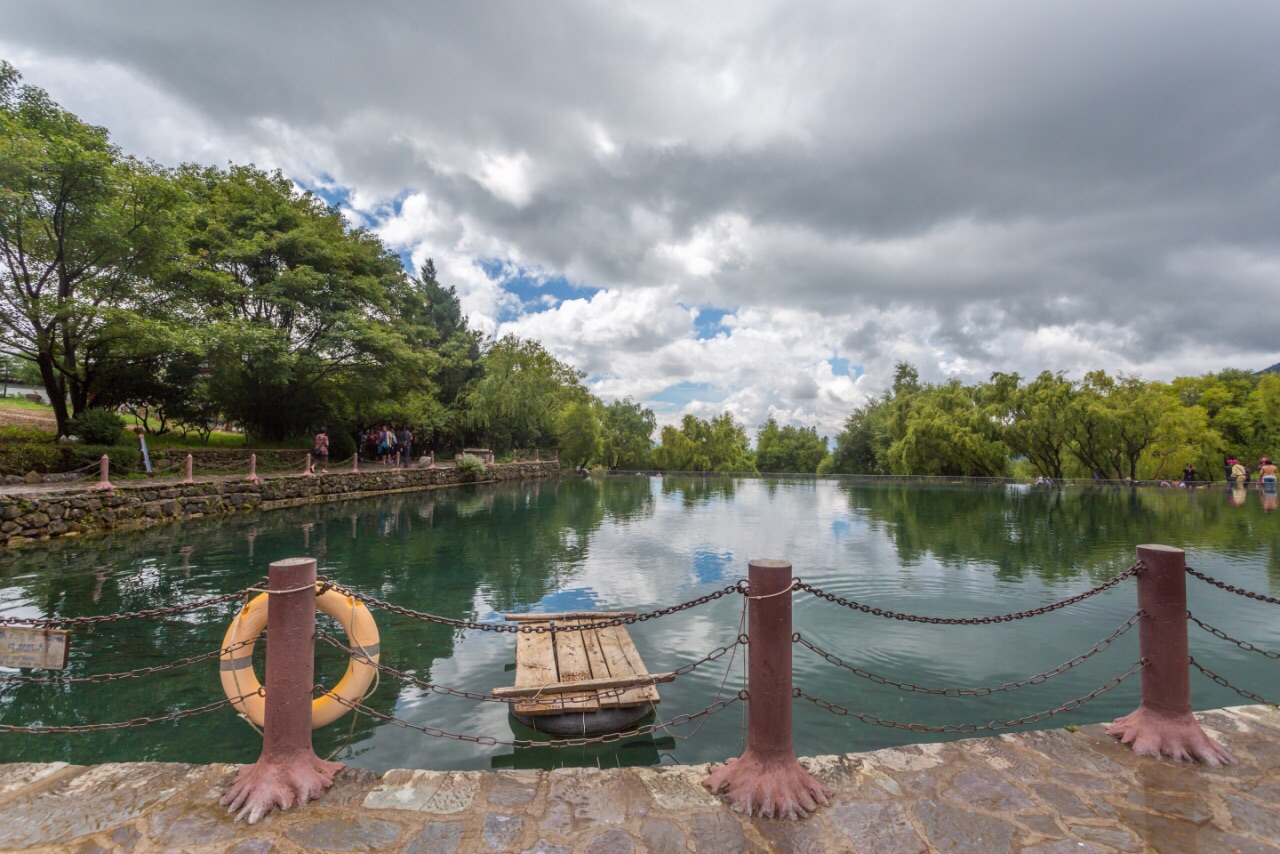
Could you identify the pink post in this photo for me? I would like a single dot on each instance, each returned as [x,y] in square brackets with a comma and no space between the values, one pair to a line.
[515,455]
[1163,724]
[767,780]
[355,463]
[557,455]
[186,478]
[288,772]
[488,458]
[535,456]
[253,469]
[432,458]
[104,466]
[306,469]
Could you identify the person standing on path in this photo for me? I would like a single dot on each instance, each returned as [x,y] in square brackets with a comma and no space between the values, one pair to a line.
[1267,476]
[320,451]
[1238,473]
[1189,475]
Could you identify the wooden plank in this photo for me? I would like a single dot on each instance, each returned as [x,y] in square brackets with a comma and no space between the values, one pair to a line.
[569,615]
[624,659]
[571,653]
[607,682]
[535,666]
[45,649]
[599,666]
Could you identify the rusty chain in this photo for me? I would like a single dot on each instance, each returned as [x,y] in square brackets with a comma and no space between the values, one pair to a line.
[40,729]
[1225,684]
[971,692]
[1242,644]
[1068,706]
[969,621]
[124,674]
[53,622]
[503,627]
[490,741]
[487,698]
[1248,594]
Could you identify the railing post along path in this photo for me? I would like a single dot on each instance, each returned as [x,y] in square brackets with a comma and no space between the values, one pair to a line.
[1163,724]
[104,466]
[186,478]
[253,469]
[306,468]
[767,780]
[288,772]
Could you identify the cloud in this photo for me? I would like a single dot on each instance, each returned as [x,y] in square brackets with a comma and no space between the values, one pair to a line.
[969,187]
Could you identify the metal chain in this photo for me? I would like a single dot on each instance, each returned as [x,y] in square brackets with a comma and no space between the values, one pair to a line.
[17,678]
[1068,706]
[51,622]
[972,692]
[1242,644]
[1249,594]
[1225,684]
[486,698]
[39,729]
[503,627]
[969,621]
[490,741]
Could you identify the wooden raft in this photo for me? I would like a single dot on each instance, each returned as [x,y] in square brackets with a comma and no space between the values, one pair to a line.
[573,670]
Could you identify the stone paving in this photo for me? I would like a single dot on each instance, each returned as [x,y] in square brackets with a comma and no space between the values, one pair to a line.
[1039,792]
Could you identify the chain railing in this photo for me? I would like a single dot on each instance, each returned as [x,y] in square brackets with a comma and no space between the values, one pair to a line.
[149,613]
[136,673]
[1245,645]
[490,741]
[993,726]
[179,714]
[422,616]
[1037,679]
[1222,585]
[1225,684]
[968,621]
[593,696]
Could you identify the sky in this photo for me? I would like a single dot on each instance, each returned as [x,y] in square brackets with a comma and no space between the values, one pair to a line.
[758,207]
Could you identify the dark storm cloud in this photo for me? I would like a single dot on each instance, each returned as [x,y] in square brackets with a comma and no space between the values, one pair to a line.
[993,167]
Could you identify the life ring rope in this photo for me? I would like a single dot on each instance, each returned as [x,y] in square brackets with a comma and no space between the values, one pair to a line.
[240,682]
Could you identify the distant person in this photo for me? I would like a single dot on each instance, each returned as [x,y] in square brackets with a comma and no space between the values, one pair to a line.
[1239,474]
[1267,476]
[1227,466]
[1189,474]
[320,450]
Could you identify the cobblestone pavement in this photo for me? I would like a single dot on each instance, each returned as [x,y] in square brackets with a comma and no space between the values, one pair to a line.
[1044,792]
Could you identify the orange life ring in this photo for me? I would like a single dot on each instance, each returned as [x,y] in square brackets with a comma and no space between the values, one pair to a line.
[236,666]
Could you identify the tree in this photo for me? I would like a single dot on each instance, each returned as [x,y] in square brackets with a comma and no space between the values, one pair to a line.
[862,446]
[627,430]
[578,433]
[716,445]
[1033,418]
[305,316]
[789,449]
[83,230]
[946,432]
[515,403]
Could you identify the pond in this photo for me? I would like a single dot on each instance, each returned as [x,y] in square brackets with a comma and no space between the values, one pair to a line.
[636,543]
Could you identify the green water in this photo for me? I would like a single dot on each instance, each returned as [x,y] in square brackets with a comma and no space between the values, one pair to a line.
[639,544]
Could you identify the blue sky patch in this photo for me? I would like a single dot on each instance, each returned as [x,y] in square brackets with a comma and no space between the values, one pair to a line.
[573,599]
[676,397]
[711,565]
[536,291]
[709,323]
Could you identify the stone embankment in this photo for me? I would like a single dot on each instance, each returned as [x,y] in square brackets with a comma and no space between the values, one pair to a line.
[138,503]
[1043,792]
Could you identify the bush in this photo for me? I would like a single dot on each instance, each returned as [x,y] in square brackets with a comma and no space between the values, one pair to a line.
[21,457]
[471,465]
[123,458]
[98,427]
[341,444]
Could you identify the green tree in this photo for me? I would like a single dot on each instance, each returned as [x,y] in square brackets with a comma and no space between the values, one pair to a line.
[717,445]
[84,232]
[523,388]
[789,449]
[1033,419]
[627,429]
[578,433]
[305,315]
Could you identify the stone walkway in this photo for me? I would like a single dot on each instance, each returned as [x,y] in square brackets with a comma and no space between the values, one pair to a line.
[1043,792]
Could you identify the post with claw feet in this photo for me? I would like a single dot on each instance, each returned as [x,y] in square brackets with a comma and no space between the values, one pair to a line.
[288,772]
[767,780]
[1163,724]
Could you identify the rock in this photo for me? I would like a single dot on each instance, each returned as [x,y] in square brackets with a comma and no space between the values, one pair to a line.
[33,477]
[55,511]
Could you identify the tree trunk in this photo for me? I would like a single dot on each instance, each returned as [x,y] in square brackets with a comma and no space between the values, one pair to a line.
[53,388]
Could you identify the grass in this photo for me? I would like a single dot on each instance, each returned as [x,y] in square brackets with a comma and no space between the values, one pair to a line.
[22,403]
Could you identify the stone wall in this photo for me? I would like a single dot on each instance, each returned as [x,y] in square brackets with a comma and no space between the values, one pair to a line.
[228,459]
[134,504]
